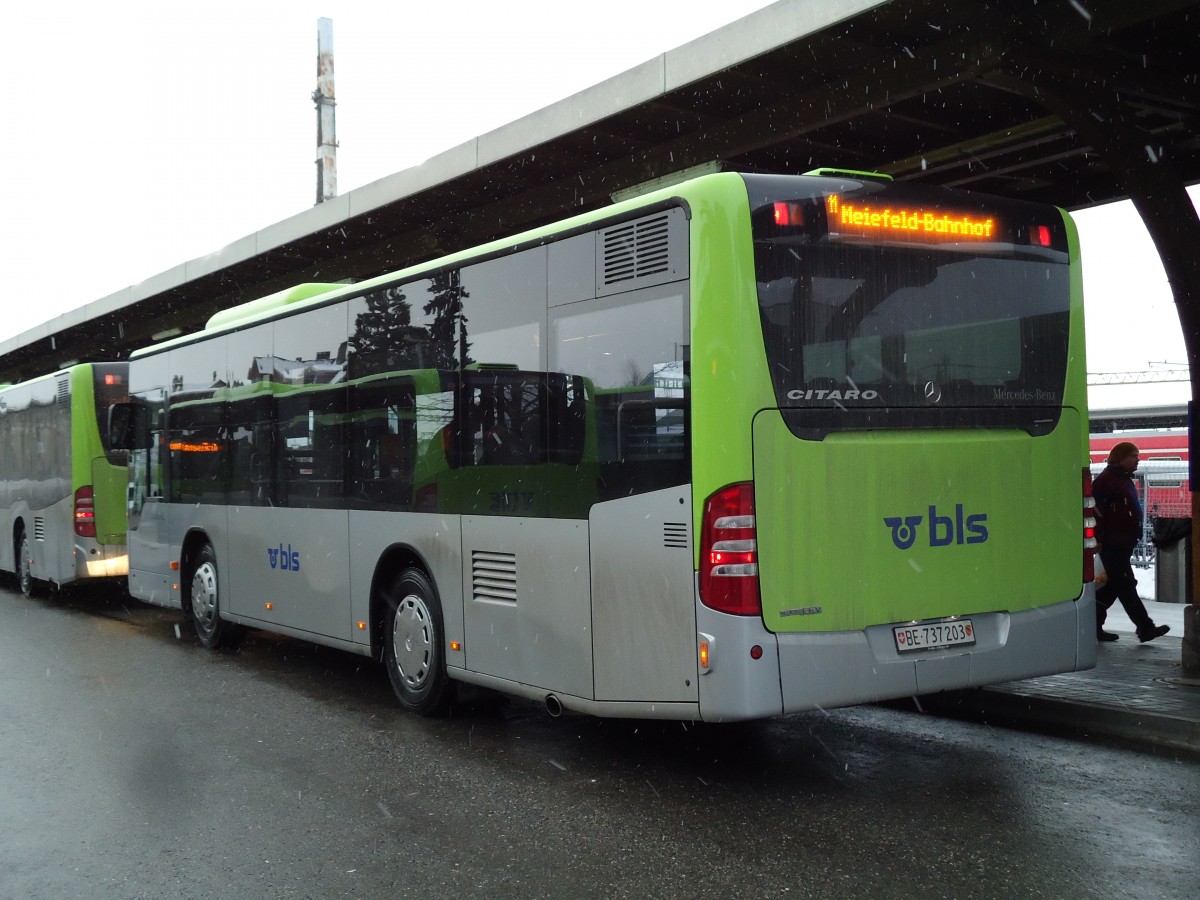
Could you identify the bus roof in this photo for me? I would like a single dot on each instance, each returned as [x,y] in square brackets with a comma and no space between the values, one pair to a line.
[306,295]
[268,304]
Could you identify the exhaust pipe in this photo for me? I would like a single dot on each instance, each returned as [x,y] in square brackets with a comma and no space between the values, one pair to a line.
[553,706]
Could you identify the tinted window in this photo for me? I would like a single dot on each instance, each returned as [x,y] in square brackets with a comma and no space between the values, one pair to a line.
[635,355]
[195,442]
[404,347]
[148,468]
[885,306]
[383,444]
[504,303]
[882,324]
[523,418]
[195,434]
[311,448]
[405,327]
[308,374]
[111,385]
[250,433]
[250,410]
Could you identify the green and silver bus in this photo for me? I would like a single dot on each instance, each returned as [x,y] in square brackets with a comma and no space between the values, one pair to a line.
[740,447]
[62,485]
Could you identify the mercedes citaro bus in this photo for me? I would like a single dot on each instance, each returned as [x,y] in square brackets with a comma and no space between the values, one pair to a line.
[739,447]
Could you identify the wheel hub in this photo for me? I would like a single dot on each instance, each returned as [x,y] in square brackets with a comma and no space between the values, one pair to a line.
[204,592]
[412,640]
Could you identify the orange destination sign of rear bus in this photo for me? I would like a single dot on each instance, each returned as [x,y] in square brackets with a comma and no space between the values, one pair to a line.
[901,222]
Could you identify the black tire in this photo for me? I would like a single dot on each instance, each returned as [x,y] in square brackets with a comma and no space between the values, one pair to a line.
[24,554]
[413,644]
[202,601]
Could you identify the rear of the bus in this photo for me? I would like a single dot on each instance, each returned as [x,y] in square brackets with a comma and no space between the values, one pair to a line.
[915,519]
[99,473]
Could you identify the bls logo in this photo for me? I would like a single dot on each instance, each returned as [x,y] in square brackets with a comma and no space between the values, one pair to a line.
[286,560]
[943,531]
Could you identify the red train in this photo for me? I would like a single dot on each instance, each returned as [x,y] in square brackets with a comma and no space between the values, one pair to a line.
[1163,471]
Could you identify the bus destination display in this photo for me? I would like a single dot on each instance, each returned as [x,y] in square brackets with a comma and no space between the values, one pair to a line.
[907,222]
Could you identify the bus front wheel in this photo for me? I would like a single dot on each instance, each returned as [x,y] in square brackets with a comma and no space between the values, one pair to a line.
[413,652]
[204,602]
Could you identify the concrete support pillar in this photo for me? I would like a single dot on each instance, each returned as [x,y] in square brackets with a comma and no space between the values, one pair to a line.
[1191,640]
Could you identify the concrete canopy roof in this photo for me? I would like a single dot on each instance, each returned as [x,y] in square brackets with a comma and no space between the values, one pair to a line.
[957,94]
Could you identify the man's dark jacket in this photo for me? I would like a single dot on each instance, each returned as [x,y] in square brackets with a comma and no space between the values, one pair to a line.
[1118,509]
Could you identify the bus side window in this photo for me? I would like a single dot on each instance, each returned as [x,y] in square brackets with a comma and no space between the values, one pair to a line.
[129,426]
[503,418]
[383,445]
[526,418]
[633,350]
[156,469]
[251,451]
[566,411]
[197,452]
[311,469]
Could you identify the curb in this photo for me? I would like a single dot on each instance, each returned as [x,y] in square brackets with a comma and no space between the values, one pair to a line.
[992,706]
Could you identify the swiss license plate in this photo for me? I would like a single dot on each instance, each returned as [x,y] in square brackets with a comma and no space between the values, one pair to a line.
[932,635]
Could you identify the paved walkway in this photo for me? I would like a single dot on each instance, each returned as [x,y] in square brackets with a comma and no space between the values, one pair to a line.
[1137,692]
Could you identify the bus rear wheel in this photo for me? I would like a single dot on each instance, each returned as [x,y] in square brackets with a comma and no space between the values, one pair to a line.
[413,644]
[24,553]
[203,600]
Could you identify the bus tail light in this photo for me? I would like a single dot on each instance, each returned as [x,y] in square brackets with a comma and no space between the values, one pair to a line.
[85,512]
[790,214]
[1089,529]
[729,552]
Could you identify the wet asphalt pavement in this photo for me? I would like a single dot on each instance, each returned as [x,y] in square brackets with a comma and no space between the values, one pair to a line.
[138,765]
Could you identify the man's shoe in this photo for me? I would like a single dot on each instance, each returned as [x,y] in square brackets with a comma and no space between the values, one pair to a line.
[1107,636]
[1155,631]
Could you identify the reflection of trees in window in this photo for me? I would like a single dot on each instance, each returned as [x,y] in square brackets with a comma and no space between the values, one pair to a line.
[446,308]
[384,338]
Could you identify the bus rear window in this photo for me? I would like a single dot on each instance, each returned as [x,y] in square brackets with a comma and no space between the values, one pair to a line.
[110,385]
[854,322]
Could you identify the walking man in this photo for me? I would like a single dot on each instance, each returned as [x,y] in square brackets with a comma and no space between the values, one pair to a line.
[1118,529]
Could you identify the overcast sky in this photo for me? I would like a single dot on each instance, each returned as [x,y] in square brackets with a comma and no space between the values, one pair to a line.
[142,135]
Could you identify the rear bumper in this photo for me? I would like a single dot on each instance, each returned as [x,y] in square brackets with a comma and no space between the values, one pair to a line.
[95,560]
[797,672]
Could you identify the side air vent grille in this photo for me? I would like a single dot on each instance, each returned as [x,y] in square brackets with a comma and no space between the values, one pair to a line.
[675,534]
[642,253]
[635,250]
[494,576]
[39,528]
[64,390]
